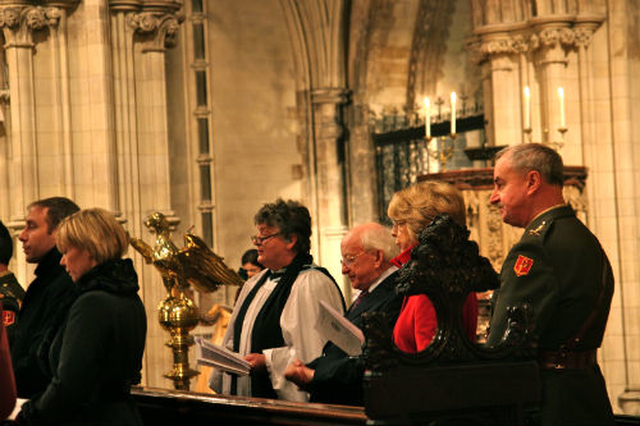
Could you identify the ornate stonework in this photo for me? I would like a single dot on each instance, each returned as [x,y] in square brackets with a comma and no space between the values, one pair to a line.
[160,28]
[521,42]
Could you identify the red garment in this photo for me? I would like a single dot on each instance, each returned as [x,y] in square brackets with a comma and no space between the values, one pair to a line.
[403,257]
[417,323]
[7,382]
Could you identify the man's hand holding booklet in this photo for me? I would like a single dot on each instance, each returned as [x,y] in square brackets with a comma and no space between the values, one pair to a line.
[333,326]
[213,355]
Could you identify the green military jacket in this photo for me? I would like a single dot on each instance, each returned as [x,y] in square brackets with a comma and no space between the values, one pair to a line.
[560,269]
[11,296]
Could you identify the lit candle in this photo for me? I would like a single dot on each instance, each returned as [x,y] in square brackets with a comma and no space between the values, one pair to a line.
[427,117]
[453,113]
[527,107]
[561,99]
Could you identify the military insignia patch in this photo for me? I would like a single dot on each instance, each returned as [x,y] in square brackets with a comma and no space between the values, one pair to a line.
[523,265]
[8,318]
[537,230]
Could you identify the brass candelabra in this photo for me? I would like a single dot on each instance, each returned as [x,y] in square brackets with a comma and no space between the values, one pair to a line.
[546,140]
[443,153]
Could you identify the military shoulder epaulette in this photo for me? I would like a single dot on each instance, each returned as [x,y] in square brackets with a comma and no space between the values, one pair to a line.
[537,230]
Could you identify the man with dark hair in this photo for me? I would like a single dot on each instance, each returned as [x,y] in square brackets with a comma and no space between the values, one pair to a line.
[335,377]
[559,268]
[48,297]
[272,321]
[11,292]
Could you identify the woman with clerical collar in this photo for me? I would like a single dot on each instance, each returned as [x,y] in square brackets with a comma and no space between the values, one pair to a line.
[272,322]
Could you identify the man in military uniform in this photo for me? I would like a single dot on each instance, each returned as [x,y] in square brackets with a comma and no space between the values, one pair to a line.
[560,269]
[47,299]
[11,292]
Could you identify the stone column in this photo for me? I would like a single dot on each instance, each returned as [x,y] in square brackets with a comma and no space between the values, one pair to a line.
[125,122]
[155,29]
[319,46]
[56,14]
[17,23]
[328,105]
[139,37]
[501,85]
[549,41]
[583,37]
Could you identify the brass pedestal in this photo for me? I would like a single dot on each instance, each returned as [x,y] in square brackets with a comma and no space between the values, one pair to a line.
[179,315]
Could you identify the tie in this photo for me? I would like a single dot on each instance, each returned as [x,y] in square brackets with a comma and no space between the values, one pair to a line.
[361,296]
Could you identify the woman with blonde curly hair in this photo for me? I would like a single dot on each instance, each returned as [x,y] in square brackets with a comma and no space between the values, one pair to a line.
[412,209]
[96,354]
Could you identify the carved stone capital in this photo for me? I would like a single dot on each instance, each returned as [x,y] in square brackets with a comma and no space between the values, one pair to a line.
[549,33]
[554,37]
[485,48]
[18,22]
[10,17]
[583,36]
[158,29]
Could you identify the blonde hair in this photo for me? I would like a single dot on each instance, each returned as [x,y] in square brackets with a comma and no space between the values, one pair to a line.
[419,204]
[95,230]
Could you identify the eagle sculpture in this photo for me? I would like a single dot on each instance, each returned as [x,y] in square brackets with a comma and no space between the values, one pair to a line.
[194,264]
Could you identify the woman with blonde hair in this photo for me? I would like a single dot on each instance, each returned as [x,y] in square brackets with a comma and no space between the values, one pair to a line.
[412,210]
[96,355]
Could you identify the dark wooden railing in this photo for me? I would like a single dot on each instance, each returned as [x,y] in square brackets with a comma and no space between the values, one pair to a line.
[162,406]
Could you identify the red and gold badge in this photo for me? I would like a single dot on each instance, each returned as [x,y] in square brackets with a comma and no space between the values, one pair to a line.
[523,265]
[8,318]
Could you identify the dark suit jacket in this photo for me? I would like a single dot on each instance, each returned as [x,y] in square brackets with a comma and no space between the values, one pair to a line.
[45,305]
[560,269]
[338,377]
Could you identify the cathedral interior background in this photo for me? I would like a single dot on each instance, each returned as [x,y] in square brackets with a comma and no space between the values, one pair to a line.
[206,109]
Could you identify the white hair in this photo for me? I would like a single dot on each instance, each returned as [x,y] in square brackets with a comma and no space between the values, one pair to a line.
[379,238]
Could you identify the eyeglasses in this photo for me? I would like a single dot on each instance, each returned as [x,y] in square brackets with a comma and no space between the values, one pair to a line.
[349,259]
[258,240]
[399,223]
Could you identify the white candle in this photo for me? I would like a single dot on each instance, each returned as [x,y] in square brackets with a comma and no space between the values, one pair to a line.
[427,117]
[561,99]
[527,107]
[453,113]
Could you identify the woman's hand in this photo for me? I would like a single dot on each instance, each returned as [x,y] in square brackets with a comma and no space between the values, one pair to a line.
[258,362]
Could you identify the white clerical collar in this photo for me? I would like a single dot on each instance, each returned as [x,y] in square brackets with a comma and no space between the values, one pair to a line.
[383,276]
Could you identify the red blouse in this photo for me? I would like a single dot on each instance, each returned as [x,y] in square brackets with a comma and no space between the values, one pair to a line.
[417,323]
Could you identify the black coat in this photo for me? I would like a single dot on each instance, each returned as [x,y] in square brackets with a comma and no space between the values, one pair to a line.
[97,354]
[46,301]
[560,269]
[338,378]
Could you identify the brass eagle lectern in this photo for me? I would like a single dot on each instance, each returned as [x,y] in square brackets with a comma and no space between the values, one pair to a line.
[194,264]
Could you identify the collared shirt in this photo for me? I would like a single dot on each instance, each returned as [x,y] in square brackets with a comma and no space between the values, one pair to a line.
[383,276]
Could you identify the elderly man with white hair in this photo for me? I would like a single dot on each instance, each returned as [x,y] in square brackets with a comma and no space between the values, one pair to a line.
[335,377]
